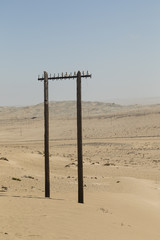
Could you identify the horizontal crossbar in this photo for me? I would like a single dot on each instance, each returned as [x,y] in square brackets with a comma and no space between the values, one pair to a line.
[65,77]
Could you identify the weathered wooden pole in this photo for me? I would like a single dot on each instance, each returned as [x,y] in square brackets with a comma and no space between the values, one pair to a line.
[46,136]
[79,140]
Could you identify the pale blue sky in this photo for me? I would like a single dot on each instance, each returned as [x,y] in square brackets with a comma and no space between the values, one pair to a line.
[118,41]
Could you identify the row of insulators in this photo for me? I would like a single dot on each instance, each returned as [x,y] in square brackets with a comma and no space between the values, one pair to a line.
[70,75]
[67,75]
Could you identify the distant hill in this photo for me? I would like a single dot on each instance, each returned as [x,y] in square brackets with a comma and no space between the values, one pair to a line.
[59,109]
[68,109]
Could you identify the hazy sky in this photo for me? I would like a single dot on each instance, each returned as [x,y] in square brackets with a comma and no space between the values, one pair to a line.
[118,41]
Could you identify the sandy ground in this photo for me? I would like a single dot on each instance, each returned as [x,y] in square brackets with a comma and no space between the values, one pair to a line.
[121,153]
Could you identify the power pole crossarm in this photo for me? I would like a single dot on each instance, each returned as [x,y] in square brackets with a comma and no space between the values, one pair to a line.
[66,76]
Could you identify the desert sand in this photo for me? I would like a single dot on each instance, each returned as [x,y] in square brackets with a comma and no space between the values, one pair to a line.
[121,154]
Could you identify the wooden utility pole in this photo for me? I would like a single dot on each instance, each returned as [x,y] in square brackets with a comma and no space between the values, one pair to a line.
[77,76]
[79,140]
[46,136]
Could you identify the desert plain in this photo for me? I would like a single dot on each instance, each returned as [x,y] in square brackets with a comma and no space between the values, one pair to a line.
[121,159]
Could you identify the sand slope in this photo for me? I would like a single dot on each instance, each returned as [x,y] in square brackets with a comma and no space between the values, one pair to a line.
[121,150]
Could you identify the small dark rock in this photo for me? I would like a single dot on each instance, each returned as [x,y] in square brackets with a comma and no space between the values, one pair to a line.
[28,177]
[4,159]
[107,164]
[4,188]
[16,179]
[67,165]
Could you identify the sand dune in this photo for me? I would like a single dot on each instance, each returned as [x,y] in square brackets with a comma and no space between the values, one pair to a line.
[121,147]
